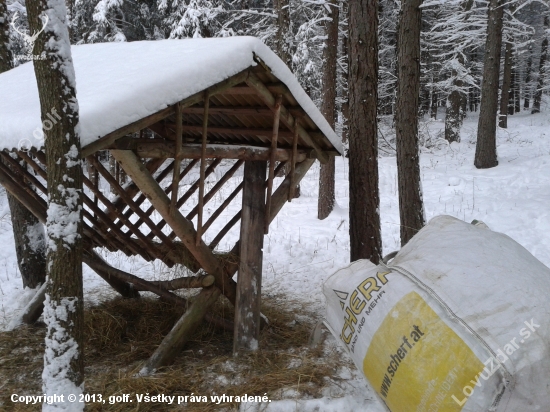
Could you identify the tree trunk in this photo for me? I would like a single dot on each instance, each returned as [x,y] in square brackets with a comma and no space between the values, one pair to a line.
[28,233]
[527,87]
[542,70]
[486,148]
[63,306]
[453,117]
[284,34]
[433,104]
[411,209]
[326,175]
[364,197]
[506,83]
[516,86]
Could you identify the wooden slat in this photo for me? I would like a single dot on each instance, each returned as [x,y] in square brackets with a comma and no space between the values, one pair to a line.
[293,162]
[247,304]
[190,191]
[202,167]
[275,136]
[228,226]
[177,157]
[219,184]
[222,207]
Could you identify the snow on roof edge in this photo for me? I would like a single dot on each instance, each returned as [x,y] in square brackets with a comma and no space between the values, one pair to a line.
[120,83]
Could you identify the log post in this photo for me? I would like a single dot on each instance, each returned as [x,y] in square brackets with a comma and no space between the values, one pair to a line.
[181,332]
[292,189]
[249,282]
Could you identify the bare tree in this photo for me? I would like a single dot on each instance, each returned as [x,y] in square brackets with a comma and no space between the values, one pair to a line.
[411,209]
[63,307]
[364,208]
[486,147]
[28,232]
[330,56]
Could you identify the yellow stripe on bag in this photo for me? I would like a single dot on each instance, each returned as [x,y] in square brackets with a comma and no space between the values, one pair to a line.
[416,362]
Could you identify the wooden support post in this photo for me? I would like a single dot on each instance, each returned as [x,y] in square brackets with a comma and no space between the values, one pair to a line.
[276,117]
[293,162]
[181,332]
[177,158]
[203,165]
[249,283]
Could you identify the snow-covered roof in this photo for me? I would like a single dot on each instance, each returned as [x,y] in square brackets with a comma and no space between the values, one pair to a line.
[120,83]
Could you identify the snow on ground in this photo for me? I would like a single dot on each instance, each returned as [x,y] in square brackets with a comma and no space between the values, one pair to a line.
[300,252]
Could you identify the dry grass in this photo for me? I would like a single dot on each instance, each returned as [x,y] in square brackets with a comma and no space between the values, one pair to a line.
[122,334]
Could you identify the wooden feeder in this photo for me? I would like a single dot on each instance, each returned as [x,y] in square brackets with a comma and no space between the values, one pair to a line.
[249,123]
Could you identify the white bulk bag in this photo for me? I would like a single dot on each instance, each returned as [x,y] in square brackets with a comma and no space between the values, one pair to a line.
[458,321]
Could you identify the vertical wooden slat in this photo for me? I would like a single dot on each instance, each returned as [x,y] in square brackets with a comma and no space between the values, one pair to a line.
[293,161]
[278,102]
[247,304]
[202,167]
[177,159]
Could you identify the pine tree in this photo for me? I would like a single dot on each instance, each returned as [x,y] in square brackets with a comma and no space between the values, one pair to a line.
[486,149]
[364,208]
[411,209]
[63,308]
[326,174]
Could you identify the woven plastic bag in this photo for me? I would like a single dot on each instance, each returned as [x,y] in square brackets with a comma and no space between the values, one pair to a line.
[457,321]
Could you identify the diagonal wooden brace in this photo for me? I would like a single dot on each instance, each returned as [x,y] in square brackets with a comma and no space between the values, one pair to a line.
[180,225]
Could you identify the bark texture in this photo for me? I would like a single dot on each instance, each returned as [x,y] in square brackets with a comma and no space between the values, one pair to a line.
[365,238]
[28,233]
[411,209]
[486,148]
[326,176]
[63,308]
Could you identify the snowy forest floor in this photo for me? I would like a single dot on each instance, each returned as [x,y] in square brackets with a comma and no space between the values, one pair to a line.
[300,253]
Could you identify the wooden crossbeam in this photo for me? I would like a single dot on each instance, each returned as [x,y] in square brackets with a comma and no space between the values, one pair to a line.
[181,226]
[240,131]
[136,126]
[288,120]
[162,149]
